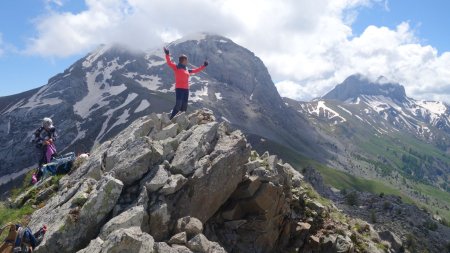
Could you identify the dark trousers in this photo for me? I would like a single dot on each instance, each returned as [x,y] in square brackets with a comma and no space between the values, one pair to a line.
[42,157]
[182,96]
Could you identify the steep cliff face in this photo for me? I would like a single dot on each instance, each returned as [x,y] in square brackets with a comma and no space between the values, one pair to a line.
[190,185]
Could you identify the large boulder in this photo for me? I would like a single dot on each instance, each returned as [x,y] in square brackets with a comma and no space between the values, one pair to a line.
[215,178]
[130,239]
[72,224]
[196,146]
[256,212]
[131,160]
[134,217]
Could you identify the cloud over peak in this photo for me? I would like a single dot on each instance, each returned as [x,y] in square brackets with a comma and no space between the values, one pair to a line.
[308,47]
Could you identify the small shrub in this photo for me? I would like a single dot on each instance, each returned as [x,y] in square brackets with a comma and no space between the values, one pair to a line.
[387,205]
[411,243]
[352,199]
[373,216]
[430,225]
[445,222]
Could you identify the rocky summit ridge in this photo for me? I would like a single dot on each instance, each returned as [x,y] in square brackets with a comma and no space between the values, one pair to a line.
[191,184]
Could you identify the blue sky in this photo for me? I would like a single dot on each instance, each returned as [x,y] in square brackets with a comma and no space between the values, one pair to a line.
[21,70]
[429,19]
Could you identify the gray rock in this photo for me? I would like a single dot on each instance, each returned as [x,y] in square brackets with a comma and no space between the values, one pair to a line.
[169,131]
[396,243]
[192,226]
[181,248]
[70,227]
[180,238]
[174,183]
[247,188]
[134,217]
[343,244]
[182,121]
[207,185]
[196,146]
[159,218]
[272,162]
[316,206]
[297,177]
[157,178]
[215,247]
[199,243]
[123,240]
[132,160]
[169,147]
[162,247]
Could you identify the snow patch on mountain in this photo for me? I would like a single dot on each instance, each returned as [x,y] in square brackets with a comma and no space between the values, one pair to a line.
[80,133]
[92,57]
[142,106]
[438,108]
[122,119]
[150,82]
[380,103]
[152,64]
[111,67]
[197,95]
[345,110]
[42,102]
[110,113]
[321,110]
[96,93]
[218,96]
[225,119]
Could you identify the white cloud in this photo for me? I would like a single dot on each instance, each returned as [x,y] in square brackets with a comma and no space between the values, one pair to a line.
[308,44]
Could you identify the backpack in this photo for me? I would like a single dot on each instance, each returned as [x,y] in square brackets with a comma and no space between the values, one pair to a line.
[21,239]
[22,245]
[59,165]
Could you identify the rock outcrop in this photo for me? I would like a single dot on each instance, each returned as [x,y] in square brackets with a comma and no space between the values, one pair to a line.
[192,184]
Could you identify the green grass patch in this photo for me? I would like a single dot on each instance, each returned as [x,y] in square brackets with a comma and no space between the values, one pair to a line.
[13,215]
[440,196]
[342,180]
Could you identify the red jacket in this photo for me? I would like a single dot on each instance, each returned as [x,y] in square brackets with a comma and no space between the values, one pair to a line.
[182,73]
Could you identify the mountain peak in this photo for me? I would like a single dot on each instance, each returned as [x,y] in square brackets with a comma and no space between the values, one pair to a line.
[199,37]
[358,85]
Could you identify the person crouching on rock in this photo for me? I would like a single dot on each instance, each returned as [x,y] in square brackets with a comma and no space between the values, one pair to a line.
[182,74]
[44,138]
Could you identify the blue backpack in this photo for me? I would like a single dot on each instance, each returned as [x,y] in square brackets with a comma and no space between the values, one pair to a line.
[59,165]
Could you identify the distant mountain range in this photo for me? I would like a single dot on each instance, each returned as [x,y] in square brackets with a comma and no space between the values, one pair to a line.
[379,132]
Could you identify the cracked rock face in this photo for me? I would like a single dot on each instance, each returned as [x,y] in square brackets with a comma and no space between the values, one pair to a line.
[186,185]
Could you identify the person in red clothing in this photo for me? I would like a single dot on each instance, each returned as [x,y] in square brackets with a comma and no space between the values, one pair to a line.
[182,74]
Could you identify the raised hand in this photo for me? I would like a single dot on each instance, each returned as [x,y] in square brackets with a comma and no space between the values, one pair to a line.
[166,50]
[205,63]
